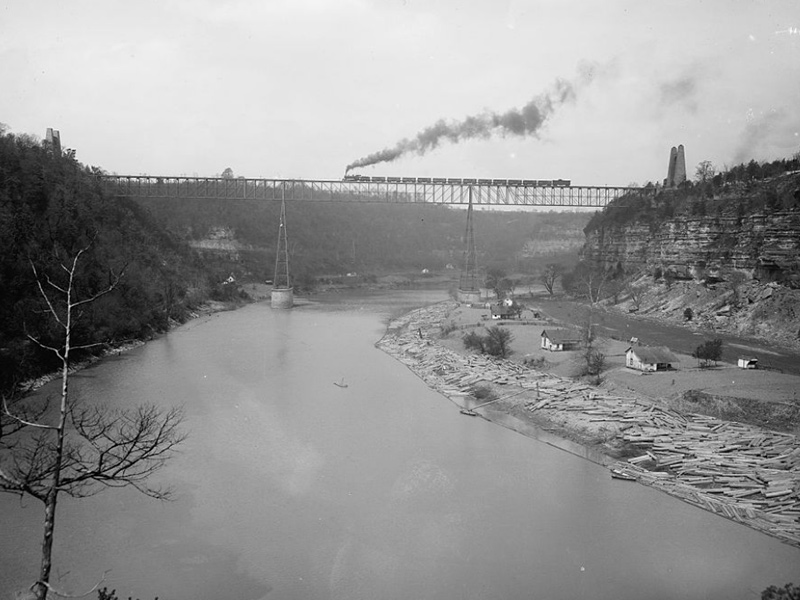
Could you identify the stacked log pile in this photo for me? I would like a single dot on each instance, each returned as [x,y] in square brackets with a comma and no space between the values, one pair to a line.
[739,471]
[742,472]
[453,374]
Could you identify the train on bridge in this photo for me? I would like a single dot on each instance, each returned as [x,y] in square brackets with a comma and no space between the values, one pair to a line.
[460,181]
[363,188]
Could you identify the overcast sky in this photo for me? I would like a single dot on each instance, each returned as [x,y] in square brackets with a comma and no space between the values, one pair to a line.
[303,88]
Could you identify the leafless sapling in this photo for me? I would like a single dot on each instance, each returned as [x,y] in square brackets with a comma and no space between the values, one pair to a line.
[73,448]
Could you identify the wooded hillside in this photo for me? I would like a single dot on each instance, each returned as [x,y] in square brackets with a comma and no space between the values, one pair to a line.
[51,206]
[338,237]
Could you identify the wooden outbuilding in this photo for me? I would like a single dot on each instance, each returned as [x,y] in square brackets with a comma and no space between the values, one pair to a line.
[560,340]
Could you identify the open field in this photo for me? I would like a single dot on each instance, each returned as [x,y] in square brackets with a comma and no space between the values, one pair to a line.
[668,387]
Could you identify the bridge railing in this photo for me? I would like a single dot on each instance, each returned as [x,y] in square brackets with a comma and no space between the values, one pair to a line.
[489,194]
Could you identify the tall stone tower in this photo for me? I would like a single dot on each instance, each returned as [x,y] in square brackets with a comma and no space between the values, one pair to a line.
[680,167]
[676,171]
[53,138]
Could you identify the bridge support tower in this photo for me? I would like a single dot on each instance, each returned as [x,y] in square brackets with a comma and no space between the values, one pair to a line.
[282,291]
[469,291]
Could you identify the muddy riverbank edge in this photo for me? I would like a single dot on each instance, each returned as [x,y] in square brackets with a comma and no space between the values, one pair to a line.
[741,472]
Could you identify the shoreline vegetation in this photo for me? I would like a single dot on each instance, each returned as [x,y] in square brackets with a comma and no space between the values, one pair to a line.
[742,472]
[206,309]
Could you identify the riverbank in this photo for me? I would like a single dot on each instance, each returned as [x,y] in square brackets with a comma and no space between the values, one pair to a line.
[742,472]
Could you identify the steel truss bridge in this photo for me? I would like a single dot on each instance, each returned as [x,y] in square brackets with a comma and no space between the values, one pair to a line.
[402,190]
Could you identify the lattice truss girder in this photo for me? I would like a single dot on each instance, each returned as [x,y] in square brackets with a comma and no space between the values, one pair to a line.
[468,280]
[281,279]
[354,191]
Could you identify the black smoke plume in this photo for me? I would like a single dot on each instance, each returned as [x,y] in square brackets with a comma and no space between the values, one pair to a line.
[521,122]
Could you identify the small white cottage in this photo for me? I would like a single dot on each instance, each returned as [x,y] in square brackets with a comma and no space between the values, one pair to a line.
[559,340]
[649,358]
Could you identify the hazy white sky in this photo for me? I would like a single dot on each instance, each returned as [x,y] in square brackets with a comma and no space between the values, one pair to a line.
[302,88]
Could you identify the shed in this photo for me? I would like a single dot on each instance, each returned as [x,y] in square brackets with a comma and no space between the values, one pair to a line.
[649,358]
[747,362]
[558,340]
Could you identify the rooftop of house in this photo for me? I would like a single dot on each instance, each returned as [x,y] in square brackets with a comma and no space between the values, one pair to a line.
[653,354]
[560,336]
[501,309]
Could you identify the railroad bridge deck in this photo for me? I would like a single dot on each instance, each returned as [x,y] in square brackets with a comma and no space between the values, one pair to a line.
[386,190]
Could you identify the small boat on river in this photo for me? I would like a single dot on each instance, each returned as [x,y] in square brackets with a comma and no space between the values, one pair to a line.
[340,384]
[618,473]
[468,412]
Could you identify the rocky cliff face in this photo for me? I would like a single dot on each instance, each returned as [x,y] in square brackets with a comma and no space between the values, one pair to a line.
[733,258]
[764,246]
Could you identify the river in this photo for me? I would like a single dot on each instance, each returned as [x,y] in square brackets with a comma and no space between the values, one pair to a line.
[290,487]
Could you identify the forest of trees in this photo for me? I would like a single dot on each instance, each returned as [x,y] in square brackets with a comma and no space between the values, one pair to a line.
[337,237]
[51,206]
[736,191]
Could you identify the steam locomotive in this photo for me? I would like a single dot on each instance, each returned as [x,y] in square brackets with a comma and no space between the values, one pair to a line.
[460,181]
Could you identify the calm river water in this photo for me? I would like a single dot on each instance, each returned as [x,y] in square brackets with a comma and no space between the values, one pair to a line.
[293,488]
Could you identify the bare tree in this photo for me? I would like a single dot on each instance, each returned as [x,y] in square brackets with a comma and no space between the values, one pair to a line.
[705,171]
[613,289]
[78,450]
[637,293]
[591,281]
[592,360]
[550,275]
[497,280]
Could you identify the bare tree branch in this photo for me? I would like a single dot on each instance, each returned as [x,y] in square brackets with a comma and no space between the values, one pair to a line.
[45,296]
[45,346]
[88,449]
[98,295]
[56,592]
[53,285]
[85,346]
[22,421]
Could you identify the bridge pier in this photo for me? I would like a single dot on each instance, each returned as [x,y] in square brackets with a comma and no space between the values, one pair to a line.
[469,296]
[282,297]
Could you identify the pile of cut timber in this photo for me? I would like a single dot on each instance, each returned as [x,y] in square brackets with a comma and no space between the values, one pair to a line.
[742,472]
[441,368]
